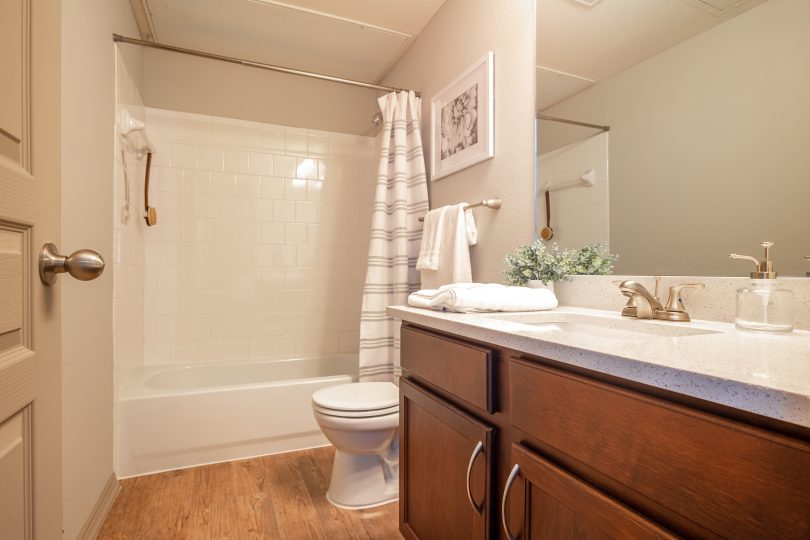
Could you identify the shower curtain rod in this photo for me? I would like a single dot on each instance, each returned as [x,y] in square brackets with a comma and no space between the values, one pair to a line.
[132,41]
[572,122]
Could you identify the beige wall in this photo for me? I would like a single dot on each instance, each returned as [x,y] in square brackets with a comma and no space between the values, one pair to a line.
[460,33]
[185,83]
[88,109]
[709,147]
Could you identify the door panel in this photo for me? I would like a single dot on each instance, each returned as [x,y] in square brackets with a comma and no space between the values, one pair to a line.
[14,60]
[30,370]
[558,505]
[438,443]
[15,470]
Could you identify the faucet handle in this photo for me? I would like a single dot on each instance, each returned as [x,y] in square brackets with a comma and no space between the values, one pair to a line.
[675,300]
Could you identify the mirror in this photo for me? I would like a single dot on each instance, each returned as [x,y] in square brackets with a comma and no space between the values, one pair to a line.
[676,130]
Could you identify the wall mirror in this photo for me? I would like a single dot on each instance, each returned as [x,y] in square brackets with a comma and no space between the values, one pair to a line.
[676,130]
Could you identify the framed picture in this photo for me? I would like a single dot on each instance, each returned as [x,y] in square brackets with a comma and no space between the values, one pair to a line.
[461,120]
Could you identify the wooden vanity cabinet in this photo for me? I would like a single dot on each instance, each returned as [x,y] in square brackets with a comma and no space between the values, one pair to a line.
[598,457]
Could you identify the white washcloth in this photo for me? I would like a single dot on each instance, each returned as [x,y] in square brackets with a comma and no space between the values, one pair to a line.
[468,297]
[447,238]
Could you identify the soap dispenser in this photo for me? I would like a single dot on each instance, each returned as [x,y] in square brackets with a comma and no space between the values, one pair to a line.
[763,306]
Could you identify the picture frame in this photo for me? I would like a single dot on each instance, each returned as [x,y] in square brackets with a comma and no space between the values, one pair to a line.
[462,118]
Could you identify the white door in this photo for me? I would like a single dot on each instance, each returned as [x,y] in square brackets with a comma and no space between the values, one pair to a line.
[30,442]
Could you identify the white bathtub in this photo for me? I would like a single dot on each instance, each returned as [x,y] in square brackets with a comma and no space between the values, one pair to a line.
[171,417]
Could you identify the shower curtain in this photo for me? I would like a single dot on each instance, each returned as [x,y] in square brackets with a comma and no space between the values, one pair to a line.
[400,198]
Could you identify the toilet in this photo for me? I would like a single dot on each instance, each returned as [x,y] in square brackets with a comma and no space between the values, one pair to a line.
[361,420]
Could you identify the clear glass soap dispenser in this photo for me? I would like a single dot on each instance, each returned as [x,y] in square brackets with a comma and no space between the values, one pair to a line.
[763,306]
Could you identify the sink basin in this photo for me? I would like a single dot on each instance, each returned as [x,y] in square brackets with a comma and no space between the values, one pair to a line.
[604,327]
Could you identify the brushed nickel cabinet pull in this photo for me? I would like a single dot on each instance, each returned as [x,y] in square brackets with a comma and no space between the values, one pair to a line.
[507,487]
[478,449]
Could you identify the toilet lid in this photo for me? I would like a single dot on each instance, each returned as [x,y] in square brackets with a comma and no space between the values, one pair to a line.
[364,396]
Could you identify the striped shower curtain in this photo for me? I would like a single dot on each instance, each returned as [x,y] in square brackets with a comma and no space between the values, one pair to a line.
[400,198]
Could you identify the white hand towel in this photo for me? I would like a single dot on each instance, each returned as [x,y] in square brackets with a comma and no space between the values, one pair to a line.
[432,232]
[453,249]
[469,297]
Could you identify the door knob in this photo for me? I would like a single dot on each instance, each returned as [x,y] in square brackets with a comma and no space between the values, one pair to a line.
[84,264]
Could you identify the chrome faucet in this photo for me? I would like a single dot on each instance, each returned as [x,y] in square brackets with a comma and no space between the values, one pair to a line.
[645,305]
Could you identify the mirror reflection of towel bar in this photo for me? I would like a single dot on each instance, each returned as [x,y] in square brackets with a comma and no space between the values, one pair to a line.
[587,180]
[489,203]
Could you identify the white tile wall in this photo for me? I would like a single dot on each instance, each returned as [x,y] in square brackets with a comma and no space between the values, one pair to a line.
[261,241]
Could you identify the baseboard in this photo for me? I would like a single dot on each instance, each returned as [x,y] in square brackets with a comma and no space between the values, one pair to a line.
[96,518]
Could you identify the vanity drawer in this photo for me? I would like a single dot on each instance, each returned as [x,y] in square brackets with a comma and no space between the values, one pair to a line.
[713,476]
[460,368]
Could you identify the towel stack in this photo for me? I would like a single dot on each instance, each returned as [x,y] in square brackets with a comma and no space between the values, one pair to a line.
[472,297]
[444,255]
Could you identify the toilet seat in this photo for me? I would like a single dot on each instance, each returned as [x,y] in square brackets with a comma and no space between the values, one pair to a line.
[355,414]
[357,400]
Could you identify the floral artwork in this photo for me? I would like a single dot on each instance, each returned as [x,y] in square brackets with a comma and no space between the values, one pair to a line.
[460,122]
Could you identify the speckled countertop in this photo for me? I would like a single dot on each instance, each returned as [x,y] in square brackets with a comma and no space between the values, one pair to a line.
[760,373]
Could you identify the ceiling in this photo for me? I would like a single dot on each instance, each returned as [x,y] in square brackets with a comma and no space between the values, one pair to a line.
[578,46]
[354,39]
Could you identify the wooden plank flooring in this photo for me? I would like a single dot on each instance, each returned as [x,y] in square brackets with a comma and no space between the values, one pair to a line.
[272,497]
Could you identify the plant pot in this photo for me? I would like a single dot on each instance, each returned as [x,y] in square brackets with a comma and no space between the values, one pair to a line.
[538,284]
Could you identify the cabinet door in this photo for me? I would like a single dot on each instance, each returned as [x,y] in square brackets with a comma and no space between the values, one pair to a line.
[558,505]
[445,469]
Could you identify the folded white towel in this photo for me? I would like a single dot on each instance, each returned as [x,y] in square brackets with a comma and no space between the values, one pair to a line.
[444,255]
[469,297]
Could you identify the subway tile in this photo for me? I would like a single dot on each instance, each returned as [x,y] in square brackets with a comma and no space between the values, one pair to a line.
[316,190]
[261,164]
[295,189]
[198,129]
[294,233]
[184,156]
[248,185]
[247,232]
[317,145]
[284,166]
[236,161]
[171,125]
[306,168]
[195,181]
[272,187]
[285,256]
[249,135]
[295,142]
[284,211]
[272,138]
[273,278]
[262,256]
[274,233]
[211,159]
[307,255]
[223,183]
[264,210]
[224,132]
[306,212]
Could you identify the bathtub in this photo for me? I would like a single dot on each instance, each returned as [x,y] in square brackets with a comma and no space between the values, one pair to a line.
[171,417]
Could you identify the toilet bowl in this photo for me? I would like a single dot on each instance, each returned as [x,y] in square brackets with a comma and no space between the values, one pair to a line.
[361,420]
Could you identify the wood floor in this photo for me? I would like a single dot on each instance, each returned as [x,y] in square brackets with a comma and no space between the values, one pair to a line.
[273,497]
